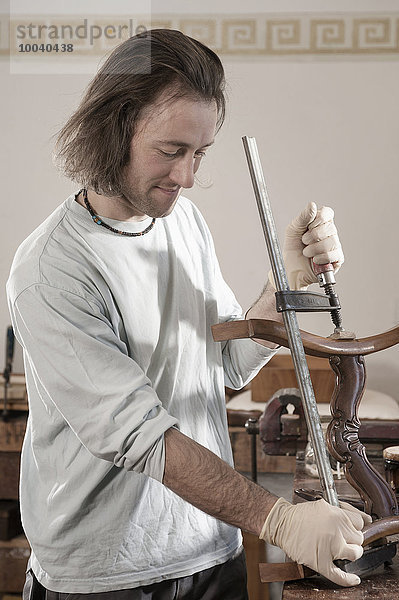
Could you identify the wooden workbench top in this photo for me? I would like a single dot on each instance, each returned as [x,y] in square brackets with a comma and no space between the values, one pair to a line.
[383,584]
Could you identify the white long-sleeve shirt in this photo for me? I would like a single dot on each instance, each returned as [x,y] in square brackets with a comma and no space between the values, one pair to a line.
[117,342]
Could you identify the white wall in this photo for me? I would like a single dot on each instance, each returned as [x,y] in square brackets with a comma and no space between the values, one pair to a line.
[327,130]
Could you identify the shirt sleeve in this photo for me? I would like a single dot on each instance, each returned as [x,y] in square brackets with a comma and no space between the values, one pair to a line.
[244,358]
[82,369]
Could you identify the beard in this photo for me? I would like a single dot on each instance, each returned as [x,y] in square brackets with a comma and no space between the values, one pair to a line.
[157,201]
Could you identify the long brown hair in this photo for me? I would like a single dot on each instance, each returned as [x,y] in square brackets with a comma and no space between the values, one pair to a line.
[94,145]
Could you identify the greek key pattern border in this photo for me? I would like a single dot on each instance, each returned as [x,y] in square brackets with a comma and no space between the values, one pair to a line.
[261,35]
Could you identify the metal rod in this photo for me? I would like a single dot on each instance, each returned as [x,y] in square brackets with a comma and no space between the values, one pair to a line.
[291,324]
[252,428]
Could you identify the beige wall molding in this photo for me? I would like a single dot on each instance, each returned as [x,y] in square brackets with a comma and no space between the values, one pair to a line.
[261,35]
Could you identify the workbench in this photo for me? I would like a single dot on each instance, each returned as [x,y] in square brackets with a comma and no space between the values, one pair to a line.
[383,584]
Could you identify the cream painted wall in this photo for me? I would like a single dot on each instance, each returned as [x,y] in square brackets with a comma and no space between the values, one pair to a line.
[327,130]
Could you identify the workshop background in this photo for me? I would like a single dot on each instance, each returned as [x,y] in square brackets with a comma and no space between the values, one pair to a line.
[316,82]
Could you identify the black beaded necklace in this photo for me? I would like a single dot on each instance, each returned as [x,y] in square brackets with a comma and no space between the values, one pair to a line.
[98,221]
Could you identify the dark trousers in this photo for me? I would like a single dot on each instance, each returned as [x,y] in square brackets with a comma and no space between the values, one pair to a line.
[227,581]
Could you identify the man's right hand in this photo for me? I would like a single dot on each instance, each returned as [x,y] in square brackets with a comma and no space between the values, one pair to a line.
[311,236]
[315,534]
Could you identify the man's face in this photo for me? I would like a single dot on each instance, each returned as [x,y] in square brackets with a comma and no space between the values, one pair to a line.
[171,139]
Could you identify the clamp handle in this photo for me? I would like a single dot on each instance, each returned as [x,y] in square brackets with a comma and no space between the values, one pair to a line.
[322,268]
[324,273]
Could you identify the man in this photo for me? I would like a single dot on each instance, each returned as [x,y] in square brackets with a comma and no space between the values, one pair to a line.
[126,484]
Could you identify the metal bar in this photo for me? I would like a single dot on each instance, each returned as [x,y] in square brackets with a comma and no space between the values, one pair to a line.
[252,428]
[254,468]
[291,324]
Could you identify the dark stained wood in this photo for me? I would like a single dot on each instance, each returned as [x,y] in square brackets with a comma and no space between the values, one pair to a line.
[381,528]
[343,438]
[386,432]
[9,475]
[313,344]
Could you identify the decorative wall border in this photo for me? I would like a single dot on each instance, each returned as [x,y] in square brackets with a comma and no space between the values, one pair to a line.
[271,35]
[261,35]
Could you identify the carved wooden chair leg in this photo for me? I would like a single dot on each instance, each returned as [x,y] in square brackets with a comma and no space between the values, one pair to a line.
[343,439]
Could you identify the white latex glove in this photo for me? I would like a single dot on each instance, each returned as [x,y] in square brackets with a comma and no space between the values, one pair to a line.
[312,235]
[315,534]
